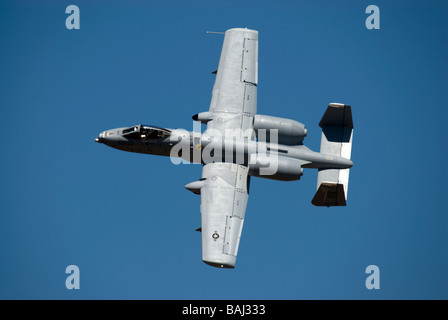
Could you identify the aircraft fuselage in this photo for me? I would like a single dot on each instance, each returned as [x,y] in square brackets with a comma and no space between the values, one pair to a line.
[204,148]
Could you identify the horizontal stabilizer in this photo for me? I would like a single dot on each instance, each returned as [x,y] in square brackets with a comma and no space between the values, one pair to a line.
[337,135]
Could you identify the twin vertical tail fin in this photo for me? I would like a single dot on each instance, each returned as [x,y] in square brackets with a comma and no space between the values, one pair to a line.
[337,134]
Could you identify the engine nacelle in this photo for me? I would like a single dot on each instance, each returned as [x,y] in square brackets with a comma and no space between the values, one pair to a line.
[275,167]
[290,132]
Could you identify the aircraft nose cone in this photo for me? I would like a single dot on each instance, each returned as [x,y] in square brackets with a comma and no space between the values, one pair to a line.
[100,137]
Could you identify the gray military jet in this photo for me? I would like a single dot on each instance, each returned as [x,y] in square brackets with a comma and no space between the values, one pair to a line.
[239,144]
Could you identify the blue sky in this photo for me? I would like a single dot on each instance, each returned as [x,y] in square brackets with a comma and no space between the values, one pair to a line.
[126,220]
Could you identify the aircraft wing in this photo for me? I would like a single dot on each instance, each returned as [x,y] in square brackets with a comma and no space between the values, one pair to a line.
[223,205]
[225,186]
[234,96]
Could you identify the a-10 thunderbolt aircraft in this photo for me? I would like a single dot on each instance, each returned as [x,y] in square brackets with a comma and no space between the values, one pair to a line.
[239,143]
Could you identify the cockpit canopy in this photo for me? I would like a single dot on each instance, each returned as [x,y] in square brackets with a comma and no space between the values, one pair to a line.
[145,132]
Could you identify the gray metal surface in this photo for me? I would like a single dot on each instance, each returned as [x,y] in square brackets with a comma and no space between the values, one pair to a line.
[223,206]
[337,134]
[239,144]
[234,96]
[233,106]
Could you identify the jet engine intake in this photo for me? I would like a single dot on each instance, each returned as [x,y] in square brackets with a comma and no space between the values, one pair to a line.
[275,167]
[289,132]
